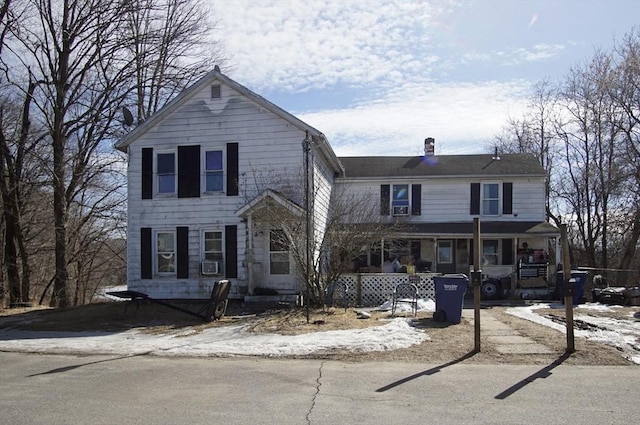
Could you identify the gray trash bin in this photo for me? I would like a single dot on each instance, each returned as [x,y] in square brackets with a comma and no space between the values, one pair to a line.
[450,290]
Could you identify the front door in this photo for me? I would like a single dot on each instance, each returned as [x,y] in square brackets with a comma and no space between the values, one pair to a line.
[445,256]
[279,272]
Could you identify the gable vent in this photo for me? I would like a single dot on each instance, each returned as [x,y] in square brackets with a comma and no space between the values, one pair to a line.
[216,93]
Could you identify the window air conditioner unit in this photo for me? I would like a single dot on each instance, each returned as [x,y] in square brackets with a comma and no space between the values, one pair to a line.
[403,210]
[210,267]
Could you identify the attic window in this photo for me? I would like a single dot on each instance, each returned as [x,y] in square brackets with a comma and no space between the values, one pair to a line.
[215,92]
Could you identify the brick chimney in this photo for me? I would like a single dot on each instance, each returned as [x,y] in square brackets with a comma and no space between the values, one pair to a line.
[429,146]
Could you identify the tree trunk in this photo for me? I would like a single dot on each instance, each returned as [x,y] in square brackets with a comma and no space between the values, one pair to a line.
[60,297]
[26,269]
[11,260]
[10,257]
[629,250]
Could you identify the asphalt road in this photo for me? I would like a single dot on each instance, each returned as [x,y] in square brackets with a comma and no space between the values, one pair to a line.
[54,389]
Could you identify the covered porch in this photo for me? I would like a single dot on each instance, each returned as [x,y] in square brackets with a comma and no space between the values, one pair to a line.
[517,255]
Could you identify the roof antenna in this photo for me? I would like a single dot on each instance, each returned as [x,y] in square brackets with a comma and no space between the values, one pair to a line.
[496,157]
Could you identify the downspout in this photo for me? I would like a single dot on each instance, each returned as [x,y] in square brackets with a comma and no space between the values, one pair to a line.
[250,255]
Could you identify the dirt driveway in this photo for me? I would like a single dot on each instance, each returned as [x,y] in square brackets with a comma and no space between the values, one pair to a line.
[448,343]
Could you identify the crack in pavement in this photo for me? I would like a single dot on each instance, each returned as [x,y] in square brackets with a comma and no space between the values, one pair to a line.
[315,395]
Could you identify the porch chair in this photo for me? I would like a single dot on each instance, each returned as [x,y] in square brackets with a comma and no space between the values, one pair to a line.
[405,293]
[336,291]
[416,280]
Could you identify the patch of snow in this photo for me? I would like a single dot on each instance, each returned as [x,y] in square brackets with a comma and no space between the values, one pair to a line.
[622,334]
[222,341]
[597,307]
[101,294]
[423,305]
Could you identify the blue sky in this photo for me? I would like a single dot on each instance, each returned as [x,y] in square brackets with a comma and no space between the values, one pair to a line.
[378,77]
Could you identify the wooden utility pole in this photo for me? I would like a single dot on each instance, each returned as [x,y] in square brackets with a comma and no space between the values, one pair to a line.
[568,288]
[306,147]
[476,279]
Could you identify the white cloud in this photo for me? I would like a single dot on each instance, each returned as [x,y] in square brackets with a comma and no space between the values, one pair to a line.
[460,117]
[516,56]
[379,76]
[313,44]
[538,52]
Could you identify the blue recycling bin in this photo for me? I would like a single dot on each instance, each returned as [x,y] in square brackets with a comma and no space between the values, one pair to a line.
[578,289]
[450,290]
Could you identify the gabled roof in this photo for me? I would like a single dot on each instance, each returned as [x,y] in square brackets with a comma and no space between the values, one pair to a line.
[318,138]
[266,196]
[442,166]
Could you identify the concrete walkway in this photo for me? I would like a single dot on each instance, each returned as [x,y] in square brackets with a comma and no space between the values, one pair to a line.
[506,339]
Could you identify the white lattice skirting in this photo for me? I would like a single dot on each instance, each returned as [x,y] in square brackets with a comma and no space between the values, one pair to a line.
[374,289]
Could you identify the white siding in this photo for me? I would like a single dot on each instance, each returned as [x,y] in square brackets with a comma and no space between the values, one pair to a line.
[323,188]
[269,150]
[448,199]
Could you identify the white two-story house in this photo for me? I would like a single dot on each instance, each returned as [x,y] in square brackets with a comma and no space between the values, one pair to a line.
[202,168]
[435,199]
[198,171]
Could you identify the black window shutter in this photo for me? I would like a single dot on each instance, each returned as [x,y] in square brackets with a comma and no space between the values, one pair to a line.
[145,253]
[475,199]
[471,253]
[182,265]
[231,251]
[416,199]
[147,173]
[232,169]
[507,251]
[385,194]
[507,198]
[189,171]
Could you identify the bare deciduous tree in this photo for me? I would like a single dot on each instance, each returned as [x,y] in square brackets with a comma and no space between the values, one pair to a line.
[73,65]
[172,45]
[352,223]
[595,185]
[534,133]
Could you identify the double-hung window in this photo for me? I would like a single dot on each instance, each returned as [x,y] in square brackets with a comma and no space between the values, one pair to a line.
[212,254]
[214,171]
[278,253]
[166,172]
[490,199]
[400,199]
[490,252]
[165,252]
[212,246]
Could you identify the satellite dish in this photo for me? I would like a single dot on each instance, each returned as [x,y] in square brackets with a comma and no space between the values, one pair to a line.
[128,116]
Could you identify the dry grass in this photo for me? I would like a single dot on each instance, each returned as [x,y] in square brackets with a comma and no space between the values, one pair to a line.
[447,344]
